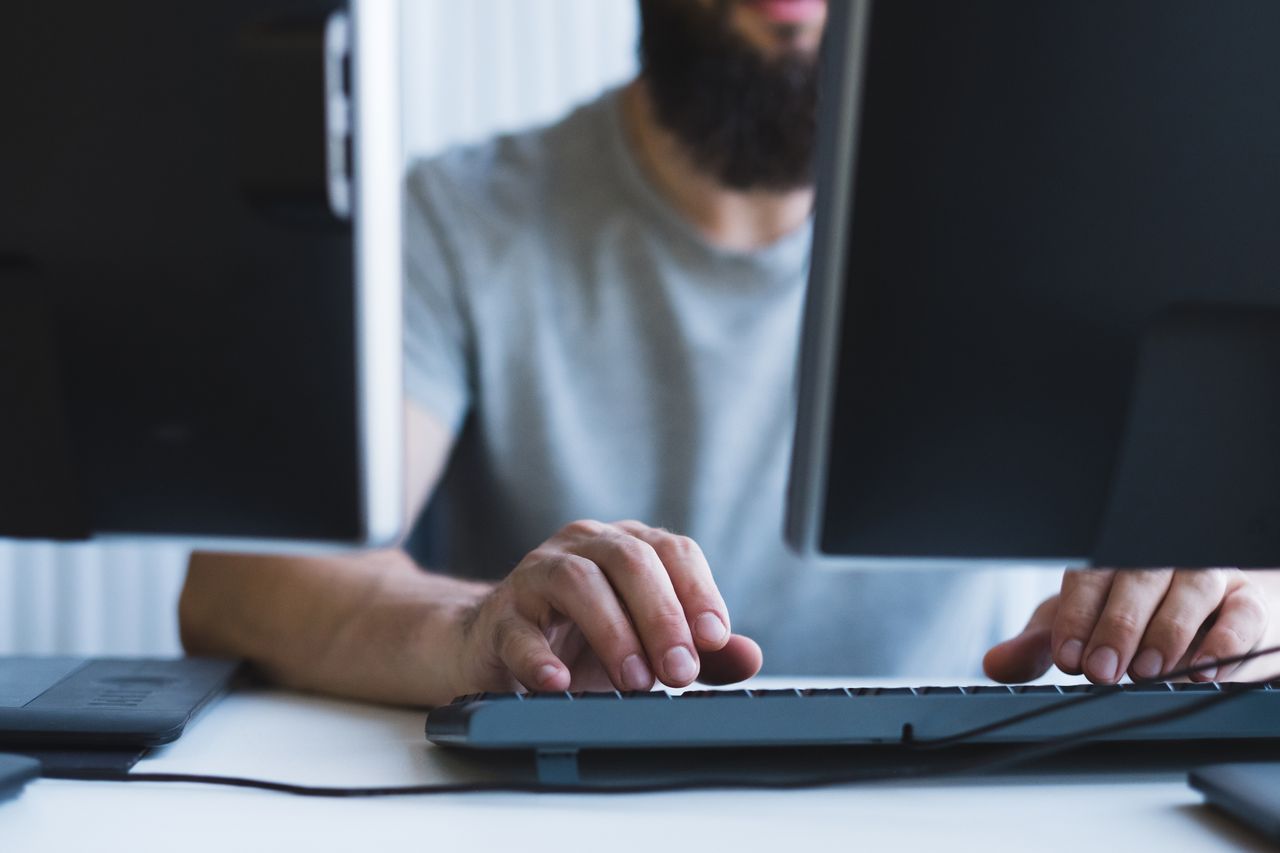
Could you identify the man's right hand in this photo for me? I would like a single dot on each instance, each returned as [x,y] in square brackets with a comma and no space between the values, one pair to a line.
[599,606]
[595,606]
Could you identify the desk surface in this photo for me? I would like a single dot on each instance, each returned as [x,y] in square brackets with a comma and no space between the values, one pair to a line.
[290,737]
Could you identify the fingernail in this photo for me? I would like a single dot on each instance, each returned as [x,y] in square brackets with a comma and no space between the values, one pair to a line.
[679,665]
[1149,664]
[1103,663]
[1205,667]
[709,628]
[547,674]
[635,674]
[1069,655]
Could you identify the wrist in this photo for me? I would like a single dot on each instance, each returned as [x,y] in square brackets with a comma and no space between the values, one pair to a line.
[439,639]
[411,638]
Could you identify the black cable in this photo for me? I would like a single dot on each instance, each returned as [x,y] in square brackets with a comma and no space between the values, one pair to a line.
[1101,692]
[1067,742]
[1007,760]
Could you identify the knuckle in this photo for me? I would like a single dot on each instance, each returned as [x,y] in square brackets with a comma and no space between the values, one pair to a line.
[1228,641]
[683,548]
[632,523]
[1173,629]
[539,555]
[1149,577]
[1123,624]
[1207,583]
[635,555]
[1076,620]
[1088,579]
[616,636]
[582,529]
[570,570]
[668,622]
[1251,605]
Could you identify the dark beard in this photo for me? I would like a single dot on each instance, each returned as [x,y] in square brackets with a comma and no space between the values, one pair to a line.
[747,120]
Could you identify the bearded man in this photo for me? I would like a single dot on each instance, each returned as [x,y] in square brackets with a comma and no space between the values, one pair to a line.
[602,322]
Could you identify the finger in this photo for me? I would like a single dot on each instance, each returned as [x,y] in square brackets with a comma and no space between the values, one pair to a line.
[690,574]
[1192,598]
[739,659]
[642,583]
[1027,656]
[1133,599]
[1237,630]
[576,587]
[524,650]
[1083,594]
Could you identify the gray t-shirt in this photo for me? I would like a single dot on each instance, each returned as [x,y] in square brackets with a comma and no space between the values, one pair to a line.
[599,359]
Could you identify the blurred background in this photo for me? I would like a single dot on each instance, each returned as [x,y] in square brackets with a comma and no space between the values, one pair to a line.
[469,70]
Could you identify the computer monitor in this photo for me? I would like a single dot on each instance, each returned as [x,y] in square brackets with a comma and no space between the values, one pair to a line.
[1044,317]
[200,271]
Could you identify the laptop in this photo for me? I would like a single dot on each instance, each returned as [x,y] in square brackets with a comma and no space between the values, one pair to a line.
[100,715]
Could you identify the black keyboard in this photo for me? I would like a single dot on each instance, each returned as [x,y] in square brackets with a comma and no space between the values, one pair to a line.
[568,722]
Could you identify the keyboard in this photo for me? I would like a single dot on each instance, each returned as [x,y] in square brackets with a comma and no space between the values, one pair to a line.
[568,722]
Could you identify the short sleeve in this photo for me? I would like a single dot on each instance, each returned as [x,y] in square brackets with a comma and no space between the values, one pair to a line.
[437,331]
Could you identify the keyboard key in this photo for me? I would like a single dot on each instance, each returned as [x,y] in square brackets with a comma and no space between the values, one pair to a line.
[1157,687]
[714,694]
[823,691]
[537,697]
[646,694]
[991,689]
[792,693]
[890,691]
[940,691]
[606,694]
[1196,687]
[1037,689]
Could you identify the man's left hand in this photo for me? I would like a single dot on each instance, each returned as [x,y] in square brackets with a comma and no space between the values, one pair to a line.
[1146,623]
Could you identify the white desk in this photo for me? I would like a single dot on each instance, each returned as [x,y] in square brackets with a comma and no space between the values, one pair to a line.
[289,737]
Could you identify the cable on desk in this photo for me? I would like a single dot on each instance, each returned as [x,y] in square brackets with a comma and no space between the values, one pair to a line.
[1004,761]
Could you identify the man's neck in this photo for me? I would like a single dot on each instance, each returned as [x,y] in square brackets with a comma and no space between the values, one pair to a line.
[736,220]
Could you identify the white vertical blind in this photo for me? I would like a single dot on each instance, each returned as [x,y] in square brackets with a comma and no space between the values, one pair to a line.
[89,599]
[475,68]
[470,69]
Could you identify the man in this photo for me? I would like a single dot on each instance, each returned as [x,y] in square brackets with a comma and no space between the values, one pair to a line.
[601,323]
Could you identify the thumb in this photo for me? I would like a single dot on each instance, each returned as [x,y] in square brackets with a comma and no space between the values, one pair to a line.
[737,661]
[1027,656]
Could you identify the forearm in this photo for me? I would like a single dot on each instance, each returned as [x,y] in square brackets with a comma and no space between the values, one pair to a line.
[371,626]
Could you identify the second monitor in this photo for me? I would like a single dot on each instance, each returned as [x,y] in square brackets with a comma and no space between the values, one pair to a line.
[200,271]
[1044,320]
